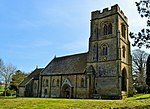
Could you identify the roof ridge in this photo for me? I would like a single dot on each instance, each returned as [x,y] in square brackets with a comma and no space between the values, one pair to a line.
[70,55]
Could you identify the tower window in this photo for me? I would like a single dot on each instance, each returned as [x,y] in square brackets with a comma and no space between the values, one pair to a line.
[96,33]
[104,50]
[110,28]
[105,29]
[123,31]
[95,52]
[123,51]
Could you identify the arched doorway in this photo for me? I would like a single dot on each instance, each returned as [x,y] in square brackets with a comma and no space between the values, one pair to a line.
[91,80]
[124,80]
[66,91]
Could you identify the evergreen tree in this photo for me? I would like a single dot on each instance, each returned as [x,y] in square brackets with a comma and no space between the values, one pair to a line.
[16,79]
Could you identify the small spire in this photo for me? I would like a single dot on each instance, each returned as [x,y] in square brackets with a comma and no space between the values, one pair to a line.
[36,66]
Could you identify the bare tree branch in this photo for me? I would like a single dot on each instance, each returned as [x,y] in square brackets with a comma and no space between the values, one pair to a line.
[139,59]
[6,71]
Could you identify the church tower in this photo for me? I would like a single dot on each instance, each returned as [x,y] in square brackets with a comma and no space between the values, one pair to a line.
[108,71]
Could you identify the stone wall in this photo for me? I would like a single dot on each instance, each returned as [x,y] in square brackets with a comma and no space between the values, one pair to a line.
[107,86]
[56,84]
[21,91]
[35,88]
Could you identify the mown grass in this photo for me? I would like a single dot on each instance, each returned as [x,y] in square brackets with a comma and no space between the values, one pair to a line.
[1,88]
[53,103]
[139,96]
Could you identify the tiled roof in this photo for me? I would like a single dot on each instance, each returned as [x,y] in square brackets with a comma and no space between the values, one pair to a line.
[66,65]
[33,75]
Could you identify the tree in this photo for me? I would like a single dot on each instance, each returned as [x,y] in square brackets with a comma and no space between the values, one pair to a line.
[6,71]
[1,66]
[139,59]
[1,63]
[143,37]
[16,79]
[148,71]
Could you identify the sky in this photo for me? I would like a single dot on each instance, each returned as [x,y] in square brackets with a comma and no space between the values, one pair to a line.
[33,32]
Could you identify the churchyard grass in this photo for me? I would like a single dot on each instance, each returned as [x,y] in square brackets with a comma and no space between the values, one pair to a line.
[137,101]
[1,89]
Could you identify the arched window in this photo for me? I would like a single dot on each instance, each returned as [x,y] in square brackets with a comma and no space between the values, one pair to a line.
[110,28]
[85,82]
[82,82]
[123,30]
[123,51]
[95,91]
[104,50]
[95,52]
[53,82]
[35,86]
[43,82]
[90,70]
[46,82]
[96,84]
[45,92]
[105,29]
[96,32]
[57,82]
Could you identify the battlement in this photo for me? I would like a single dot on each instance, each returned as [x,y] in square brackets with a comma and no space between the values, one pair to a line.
[106,12]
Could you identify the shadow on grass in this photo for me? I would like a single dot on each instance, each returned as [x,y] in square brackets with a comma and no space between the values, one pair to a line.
[7,97]
[139,97]
[136,107]
[142,98]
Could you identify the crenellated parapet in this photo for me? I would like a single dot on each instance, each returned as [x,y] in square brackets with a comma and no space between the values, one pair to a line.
[107,12]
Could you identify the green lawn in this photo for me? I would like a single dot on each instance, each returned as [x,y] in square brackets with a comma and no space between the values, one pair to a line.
[138,101]
[1,88]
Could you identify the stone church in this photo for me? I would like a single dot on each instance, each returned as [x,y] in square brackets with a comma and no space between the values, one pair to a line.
[105,71]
